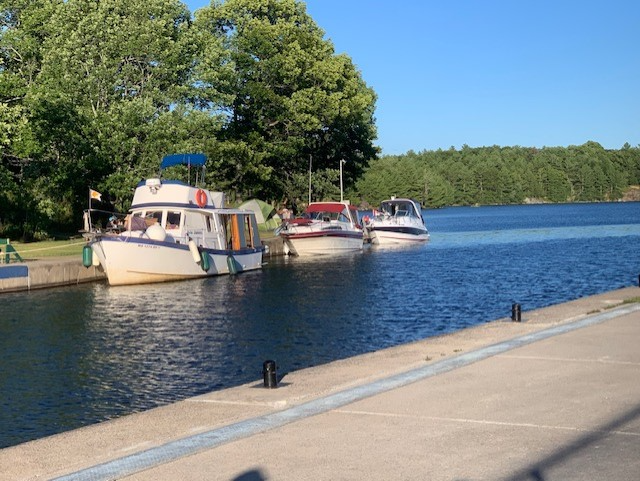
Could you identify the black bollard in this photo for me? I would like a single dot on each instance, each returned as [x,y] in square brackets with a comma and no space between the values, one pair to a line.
[516,313]
[269,374]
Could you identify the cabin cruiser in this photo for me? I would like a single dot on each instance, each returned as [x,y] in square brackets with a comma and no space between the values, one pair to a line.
[324,228]
[174,231]
[399,221]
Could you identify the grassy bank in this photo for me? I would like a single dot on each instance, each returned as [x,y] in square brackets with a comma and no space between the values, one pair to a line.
[39,250]
[72,247]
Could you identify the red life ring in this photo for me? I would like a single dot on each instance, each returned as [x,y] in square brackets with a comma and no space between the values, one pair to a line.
[201,198]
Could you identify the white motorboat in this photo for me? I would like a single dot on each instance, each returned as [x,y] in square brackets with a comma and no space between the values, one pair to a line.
[399,221]
[174,231]
[324,228]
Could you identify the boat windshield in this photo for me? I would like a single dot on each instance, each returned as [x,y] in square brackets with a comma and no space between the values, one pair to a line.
[325,216]
[398,209]
[153,217]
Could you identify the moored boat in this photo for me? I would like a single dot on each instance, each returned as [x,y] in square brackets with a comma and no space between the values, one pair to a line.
[174,231]
[324,228]
[399,221]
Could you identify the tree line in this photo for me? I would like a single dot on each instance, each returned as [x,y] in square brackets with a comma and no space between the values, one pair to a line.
[94,94]
[503,175]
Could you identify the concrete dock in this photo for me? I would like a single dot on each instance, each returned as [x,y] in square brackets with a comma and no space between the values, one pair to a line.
[68,270]
[46,272]
[554,397]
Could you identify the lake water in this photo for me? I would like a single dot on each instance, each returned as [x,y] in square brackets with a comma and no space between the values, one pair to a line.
[79,355]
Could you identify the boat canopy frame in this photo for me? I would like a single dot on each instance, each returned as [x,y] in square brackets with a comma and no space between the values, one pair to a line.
[195,160]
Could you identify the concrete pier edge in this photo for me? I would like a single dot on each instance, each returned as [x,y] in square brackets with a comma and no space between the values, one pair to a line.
[128,465]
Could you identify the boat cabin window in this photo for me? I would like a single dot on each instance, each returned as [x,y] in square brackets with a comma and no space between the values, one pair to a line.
[153,217]
[135,222]
[193,221]
[209,221]
[173,220]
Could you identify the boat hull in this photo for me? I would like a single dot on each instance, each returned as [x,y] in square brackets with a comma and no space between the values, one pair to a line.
[319,243]
[127,260]
[397,235]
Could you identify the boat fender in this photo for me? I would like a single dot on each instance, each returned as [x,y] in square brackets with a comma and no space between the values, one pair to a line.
[87,256]
[231,264]
[95,260]
[195,253]
[204,261]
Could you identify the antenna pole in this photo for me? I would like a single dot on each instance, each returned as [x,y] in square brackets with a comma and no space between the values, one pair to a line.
[310,157]
[341,190]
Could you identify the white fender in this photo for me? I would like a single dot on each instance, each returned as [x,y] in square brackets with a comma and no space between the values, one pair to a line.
[195,253]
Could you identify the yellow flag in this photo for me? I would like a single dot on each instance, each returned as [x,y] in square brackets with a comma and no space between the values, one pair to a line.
[94,194]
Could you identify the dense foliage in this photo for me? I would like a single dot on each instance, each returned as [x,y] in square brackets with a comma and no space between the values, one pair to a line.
[503,175]
[93,94]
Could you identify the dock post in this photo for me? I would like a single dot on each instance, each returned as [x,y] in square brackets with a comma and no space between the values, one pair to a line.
[516,313]
[269,373]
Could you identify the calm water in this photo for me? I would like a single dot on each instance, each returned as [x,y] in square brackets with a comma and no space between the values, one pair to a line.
[79,355]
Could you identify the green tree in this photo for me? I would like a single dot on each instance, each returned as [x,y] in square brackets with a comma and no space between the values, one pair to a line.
[490,175]
[286,96]
[116,85]
[438,192]
[90,82]
[23,29]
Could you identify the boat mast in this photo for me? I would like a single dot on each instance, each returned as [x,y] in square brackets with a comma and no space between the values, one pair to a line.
[310,157]
[341,193]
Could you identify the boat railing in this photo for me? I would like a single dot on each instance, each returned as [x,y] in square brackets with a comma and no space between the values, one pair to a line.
[97,221]
[198,236]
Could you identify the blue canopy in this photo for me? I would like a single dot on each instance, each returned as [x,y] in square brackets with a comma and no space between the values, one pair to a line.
[183,159]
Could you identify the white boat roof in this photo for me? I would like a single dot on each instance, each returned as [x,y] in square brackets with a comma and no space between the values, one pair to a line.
[175,194]
[328,207]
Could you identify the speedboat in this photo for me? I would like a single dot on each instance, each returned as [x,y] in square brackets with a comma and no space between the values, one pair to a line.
[324,228]
[399,221]
[174,231]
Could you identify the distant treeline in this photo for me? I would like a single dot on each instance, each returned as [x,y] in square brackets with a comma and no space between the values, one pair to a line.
[503,175]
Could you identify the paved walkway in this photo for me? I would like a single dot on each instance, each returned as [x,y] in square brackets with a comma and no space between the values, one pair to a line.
[556,397]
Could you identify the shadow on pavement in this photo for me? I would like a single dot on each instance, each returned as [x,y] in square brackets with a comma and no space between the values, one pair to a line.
[540,471]
[252,475]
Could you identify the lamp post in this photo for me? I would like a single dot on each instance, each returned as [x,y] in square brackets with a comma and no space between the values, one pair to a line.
[341,195]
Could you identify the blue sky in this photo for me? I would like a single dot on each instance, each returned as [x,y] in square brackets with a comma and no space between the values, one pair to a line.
[531,73]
